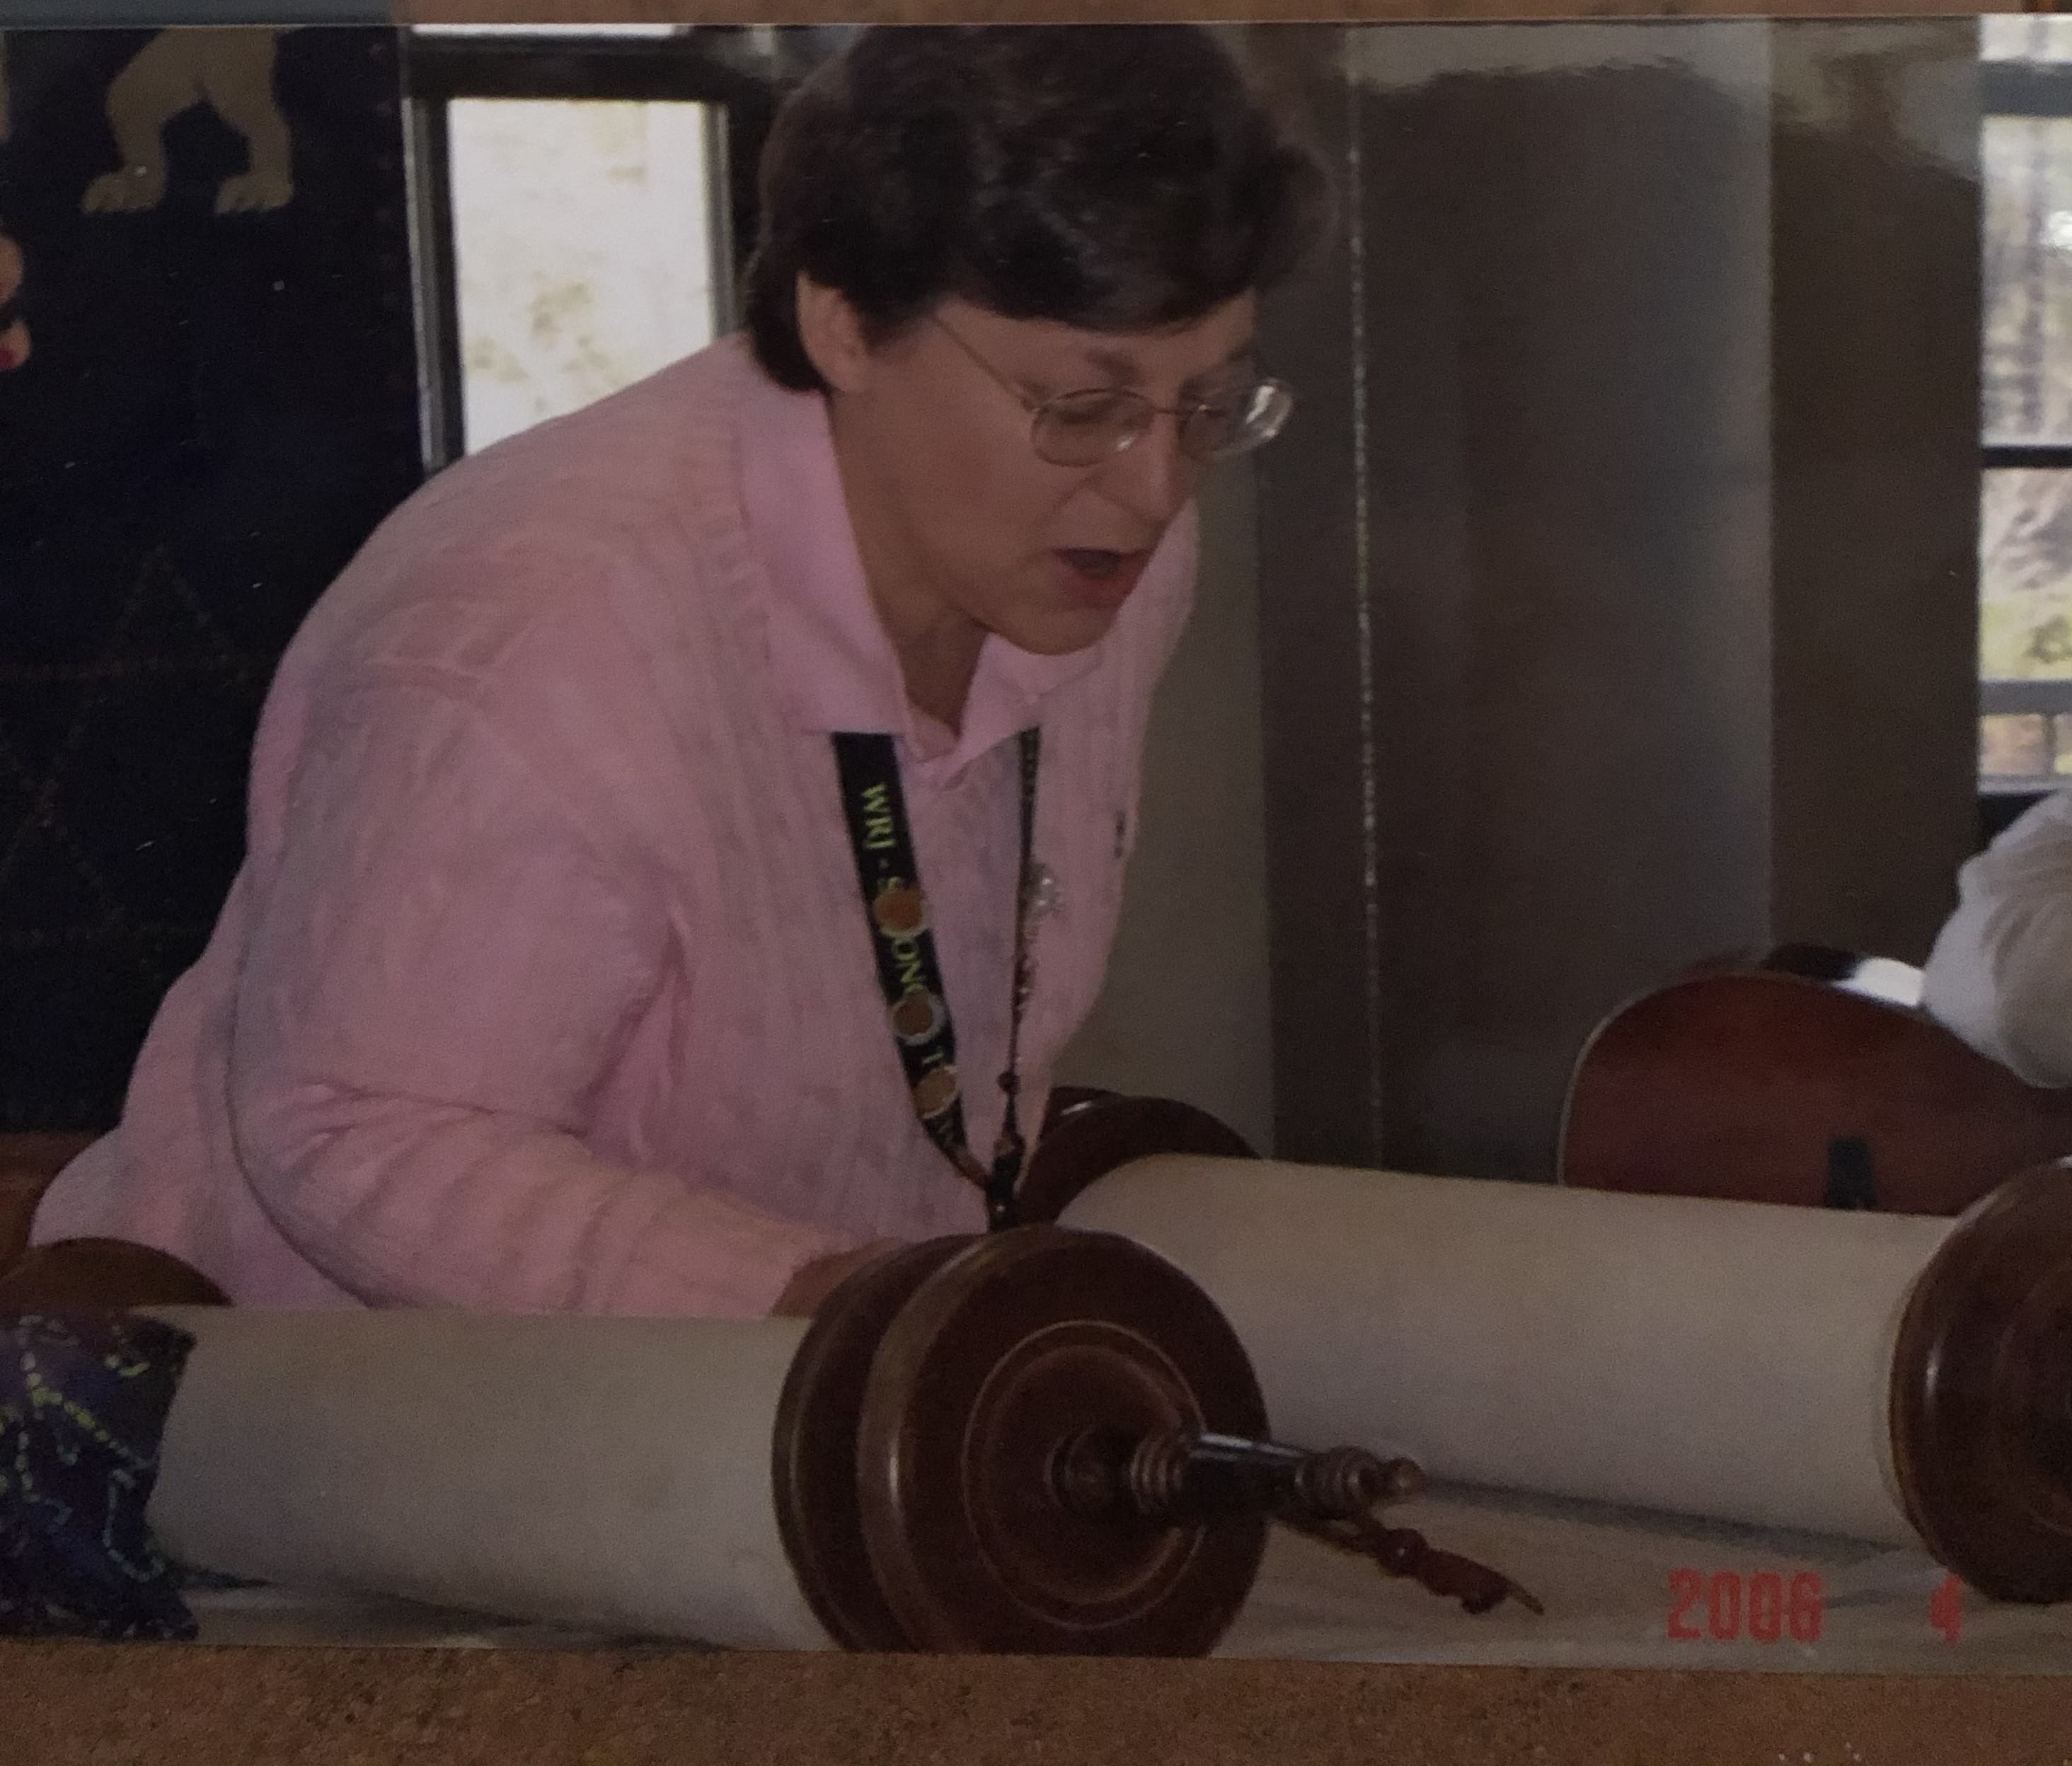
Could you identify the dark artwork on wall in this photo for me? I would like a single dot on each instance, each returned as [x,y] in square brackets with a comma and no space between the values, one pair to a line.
[210,399]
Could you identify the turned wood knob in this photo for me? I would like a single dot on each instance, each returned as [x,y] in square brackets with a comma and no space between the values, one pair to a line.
[1981,1411]
[922,1434]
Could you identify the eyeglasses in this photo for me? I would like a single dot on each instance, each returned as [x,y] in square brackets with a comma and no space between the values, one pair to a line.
[1083,429]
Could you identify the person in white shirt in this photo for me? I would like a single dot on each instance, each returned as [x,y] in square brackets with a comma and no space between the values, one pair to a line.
[2000,975]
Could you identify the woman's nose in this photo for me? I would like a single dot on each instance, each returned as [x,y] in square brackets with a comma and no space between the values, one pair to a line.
[1152,477]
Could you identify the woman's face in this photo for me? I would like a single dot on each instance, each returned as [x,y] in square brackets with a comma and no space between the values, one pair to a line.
[957,517]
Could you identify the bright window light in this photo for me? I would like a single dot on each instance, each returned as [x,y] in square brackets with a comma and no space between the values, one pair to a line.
[582,251]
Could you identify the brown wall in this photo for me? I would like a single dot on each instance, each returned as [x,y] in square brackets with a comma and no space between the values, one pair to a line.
[1875,491]
[1616,587]
[1185,1010]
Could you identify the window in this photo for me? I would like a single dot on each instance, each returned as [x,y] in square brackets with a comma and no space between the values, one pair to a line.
[580,198]
[582,250]
[2026,509]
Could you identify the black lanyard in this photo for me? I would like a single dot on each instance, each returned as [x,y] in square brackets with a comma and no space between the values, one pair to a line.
[904,945]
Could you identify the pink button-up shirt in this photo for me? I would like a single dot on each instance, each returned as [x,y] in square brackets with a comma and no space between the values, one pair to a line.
[546,982]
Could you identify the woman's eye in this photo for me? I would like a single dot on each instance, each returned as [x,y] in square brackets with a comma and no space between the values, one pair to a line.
[1227,400]
[1090,410]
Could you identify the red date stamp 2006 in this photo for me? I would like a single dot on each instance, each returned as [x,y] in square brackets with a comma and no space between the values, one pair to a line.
[1946,1608]
[1727,1606]
[1764,1606]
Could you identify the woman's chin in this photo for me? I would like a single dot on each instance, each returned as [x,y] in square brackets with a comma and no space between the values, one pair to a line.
[1062,634]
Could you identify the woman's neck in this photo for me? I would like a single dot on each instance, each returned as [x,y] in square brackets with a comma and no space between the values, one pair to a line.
[937,643]
[937,660]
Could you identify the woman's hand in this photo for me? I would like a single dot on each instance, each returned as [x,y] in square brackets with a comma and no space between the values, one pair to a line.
[815,1281]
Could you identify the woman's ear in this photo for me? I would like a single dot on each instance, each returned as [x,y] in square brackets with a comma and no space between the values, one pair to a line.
[832,335]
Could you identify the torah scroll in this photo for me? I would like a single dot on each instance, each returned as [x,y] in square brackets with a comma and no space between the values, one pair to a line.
[1896,1379]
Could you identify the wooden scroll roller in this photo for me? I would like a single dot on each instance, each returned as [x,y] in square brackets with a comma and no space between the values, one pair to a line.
[1037,1441]
[102,1272]
[1087,1132]
[1895,1378]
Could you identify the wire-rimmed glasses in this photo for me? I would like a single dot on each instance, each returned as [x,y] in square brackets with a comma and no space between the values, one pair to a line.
[1094,424]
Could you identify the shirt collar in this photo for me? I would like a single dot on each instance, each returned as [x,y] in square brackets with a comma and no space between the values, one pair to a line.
[835,664]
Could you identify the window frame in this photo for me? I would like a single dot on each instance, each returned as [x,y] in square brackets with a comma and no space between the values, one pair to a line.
[739,73]
[2024,89]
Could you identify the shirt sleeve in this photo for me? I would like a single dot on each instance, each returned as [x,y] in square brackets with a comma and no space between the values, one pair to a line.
[440,978]
[2000,974]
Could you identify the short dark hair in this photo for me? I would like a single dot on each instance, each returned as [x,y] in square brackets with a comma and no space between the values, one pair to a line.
[1113,177]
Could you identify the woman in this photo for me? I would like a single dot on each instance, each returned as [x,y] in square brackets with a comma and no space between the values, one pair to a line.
[578,960]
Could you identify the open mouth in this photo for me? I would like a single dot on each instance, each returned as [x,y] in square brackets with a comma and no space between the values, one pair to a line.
[1096,563]
[1100,577]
